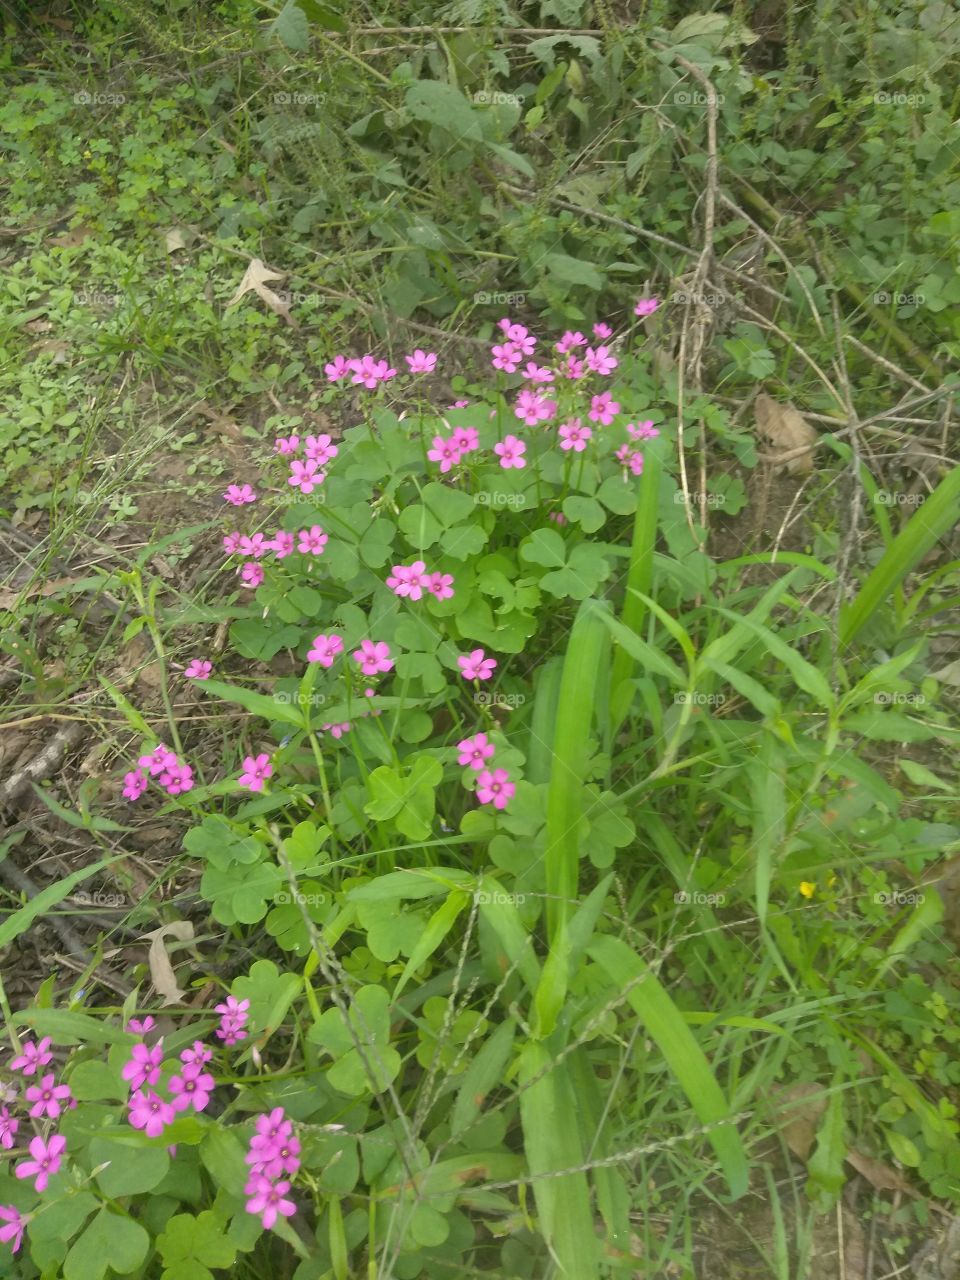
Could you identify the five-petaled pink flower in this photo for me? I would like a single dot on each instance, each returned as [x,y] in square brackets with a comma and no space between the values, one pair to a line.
[251,574]
[311,541]
[520,335]
[144,1066]
[304,475]
[149,1112]
[320,449]
[495,788]
[537,372]
[475,751]
[531,408]
[268,1199]
[602,331]
[233,1018]
[337,730]
[642,430]
[569,341]
[421,361]
[511,452]
[600,361]
[12,1231]
[47,1097]
[603,409]
[337,368]
[231,543]
[466,439]
[286,444]
[198,669]
[439,585]
[574,369]
[574,436]
[373,656]
[134,784]
[33,1057]
[45,1163]
[177,778]
[646,306]
[141,1025]
[325,649]
[198,1055]
[368,372]
[192,1088]
[160,758]
[282,543]
[254,546]
[408,579]
[445,452]
[238,495]
[476,665]
[507,356]
[256,770]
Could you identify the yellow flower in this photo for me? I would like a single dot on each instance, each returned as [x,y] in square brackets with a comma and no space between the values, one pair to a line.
[807,889]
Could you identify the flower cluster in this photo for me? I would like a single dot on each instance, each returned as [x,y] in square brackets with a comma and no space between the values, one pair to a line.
[162,764]
[274,1158]
[369,372]
[190,1087]
[450,450]
[234,1015]
[493,785]
[309,542]
[412,580]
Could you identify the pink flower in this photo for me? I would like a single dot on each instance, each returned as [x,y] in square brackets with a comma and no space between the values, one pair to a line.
[570,340]
[421,361]
[338,368]
[574,369]
[532,408]
[47,1097]
[600,361]
[320,449]
[267,1199]
[408,580]
[445,452]
[12,1231]
[144,1066]
[238,495]
[33,1057]
[460,404]
[273,1156]
[282,543]
[635,462]
[256,770]
[304,476]
[8,1128]
[149,1112]
[231,543]
[325,649]
[476,666]
[519,335]
[475,751]
[646,306]
[198,1055]
[286,444]
[465,439]
[273,1125]
[193,1088]
[373,656]
[537,373]
[45,1163]
[337,730]
[233,1018]
[602,331]
[495,788]
[251,574]
[199,669]
[255,546]
[574,436]
[507,356]
[440,585]
[312,541]
[177,778]
[368,372]
[643,430]
[141,1027]
[134,784]
[161,758]
[557,517]
[511,452]
[603,409]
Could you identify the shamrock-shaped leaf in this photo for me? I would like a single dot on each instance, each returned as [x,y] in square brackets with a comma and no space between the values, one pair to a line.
[367,1022]
[408,796]
[270,993]
[582,574]
[544,546]
[586,512]
[241,895]
[112,1242]
[391,931]
[217,842]
[190,1245]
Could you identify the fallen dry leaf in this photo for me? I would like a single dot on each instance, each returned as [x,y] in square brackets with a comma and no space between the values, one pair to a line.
[881,1176]
[254,279]
[801,1105]
[38,326]
[174,240]
[71,239]
[10,597]
[161,970]
[786,430]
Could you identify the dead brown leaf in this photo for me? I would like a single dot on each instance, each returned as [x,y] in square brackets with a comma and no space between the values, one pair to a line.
[174,240]
[38,326]
[161,970]
[881,1176]
[800,1105]
[71,239]
[10,597]
[785,430]
[255,278]
[854,1247]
